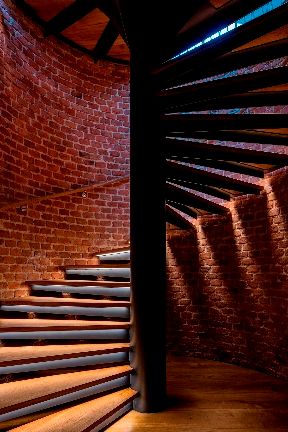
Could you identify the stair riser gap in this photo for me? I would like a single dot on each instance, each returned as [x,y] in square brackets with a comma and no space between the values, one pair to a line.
[105,292]
[117,312]
[76,334]
[119,273]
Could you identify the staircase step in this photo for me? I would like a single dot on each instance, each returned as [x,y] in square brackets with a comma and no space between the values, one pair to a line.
[121,255]
[14,360]
[52,305]
[54,301]
[99,288]
[27,354]
[35,358]
[24,325]
[62,329]
[17,399]
[114,250]
[80,283]
[88,416]
[101,270]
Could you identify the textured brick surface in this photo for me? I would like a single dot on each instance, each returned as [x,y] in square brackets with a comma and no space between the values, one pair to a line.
[64,124]
[228,290]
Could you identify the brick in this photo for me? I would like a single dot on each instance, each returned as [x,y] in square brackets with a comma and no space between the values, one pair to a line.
[229,278]
[50,141]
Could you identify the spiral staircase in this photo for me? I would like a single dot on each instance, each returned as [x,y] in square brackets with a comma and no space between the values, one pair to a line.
[64,359]
[210,123]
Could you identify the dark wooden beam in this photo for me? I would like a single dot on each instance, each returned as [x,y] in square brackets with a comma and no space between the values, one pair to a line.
[244,136]
[109,8]
[187,197]
[116,60]
[176,216]
[90,52]
[159,22]
[79,9]
[224,44]
[198,186]
[193,122]
[189,211]
[235,167]
[106,40]
[226,86]
[245,100]
[68,16]
[105,5]
[208,20]
[234,60]
[181,171]
[174,146]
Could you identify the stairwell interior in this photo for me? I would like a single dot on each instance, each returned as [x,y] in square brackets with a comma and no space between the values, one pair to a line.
[94,347]
[78,350]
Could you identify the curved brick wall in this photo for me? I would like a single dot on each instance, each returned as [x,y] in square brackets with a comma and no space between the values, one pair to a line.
[228,283]
[64,124]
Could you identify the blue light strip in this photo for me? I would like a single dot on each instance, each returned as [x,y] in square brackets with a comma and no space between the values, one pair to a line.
[271,5]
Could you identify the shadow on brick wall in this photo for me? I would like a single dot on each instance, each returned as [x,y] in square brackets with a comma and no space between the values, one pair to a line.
[228,295]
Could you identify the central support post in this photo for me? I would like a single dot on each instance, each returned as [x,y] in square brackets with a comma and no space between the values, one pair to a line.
[148,242]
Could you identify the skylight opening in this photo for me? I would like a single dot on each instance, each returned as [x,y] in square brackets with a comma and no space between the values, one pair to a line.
[268,7]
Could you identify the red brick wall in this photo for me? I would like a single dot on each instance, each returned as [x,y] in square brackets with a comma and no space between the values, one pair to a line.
[228,289]
[64,124]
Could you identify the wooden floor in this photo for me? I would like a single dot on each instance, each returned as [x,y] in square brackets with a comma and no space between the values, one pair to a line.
[207,396]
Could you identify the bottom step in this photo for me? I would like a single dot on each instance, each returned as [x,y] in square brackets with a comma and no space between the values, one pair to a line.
[90,416]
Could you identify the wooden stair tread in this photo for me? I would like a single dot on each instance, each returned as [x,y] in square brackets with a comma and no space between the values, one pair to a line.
[111,251]
[112,265]
[17,394]
[32,354]
[54,301]
[82,417]
[23,325]
[106,284]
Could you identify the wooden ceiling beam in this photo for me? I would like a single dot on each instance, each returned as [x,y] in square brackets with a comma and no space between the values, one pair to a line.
[70,15]
[236,167]
[187,197]
[227,86]
[200,186]
[181,171]
[192,122]
[245,100]
[222,45]
[173,146]
[243,136]
[106,41]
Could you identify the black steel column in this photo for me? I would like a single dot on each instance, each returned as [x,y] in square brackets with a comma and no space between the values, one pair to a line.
[147,243]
